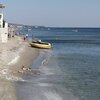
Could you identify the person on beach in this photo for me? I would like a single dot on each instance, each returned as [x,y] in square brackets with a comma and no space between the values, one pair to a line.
[26,36]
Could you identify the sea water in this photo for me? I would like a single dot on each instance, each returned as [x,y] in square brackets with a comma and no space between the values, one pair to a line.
[68,71]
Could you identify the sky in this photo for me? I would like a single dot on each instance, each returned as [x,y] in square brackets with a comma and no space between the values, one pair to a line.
[58,13]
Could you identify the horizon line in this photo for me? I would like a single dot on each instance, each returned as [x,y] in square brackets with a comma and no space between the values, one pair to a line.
[56,26]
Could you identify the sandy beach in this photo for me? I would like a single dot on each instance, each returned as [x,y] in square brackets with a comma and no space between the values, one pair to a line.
[13,55]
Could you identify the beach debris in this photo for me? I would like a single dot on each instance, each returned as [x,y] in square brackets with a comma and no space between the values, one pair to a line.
[20,71]
[25,68]
[4,71]
[28,70]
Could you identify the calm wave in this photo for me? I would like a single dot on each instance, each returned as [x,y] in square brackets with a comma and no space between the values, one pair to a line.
[68,71]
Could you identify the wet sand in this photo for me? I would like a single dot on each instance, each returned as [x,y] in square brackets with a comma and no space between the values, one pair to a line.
[13,55]
[24,58]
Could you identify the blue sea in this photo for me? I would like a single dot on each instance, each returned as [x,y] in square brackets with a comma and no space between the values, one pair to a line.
[69,71]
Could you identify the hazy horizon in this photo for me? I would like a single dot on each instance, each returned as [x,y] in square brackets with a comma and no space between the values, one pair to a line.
[53,13]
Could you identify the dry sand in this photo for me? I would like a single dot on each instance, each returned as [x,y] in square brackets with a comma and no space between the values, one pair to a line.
[13,55]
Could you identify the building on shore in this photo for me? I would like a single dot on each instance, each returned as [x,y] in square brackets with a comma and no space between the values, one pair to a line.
[3,26]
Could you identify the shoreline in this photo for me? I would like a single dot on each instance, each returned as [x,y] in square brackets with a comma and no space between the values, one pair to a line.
[26,55]
[13,55]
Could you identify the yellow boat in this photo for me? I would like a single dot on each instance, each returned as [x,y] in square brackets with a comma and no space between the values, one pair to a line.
[43,45]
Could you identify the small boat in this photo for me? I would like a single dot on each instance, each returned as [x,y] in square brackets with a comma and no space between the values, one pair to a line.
[42,45]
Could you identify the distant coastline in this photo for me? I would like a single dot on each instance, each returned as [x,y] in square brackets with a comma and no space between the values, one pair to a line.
[60,27]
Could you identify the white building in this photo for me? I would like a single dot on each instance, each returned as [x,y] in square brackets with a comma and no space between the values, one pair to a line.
[3,27]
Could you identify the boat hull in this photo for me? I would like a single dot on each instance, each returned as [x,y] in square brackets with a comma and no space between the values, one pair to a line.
[42,45]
